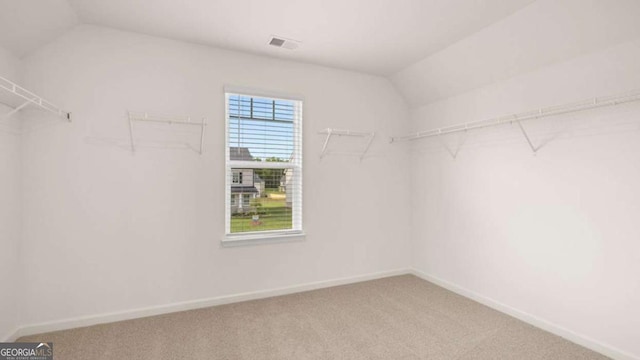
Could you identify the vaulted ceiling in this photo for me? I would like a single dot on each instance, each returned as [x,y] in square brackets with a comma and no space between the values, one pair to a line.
[373,36]
[430,49]
[546,32]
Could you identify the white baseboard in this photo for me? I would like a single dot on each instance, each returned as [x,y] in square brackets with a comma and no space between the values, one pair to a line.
[203,303]
[530,319]
[191,305]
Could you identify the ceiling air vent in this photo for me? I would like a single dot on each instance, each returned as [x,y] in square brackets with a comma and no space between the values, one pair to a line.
[285,43]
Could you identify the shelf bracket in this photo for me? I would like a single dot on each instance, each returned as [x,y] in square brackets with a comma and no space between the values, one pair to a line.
[326,143]
[203,124]
[133,148]
[454,154]
[15,110]
[534,149]
[366,148]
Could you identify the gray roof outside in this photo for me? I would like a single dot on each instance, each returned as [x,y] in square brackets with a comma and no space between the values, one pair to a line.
[240,153]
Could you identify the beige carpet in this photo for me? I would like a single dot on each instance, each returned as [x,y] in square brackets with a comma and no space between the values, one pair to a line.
[400,317]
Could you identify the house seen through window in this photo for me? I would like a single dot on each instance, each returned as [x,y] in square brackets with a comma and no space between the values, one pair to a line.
[264,165]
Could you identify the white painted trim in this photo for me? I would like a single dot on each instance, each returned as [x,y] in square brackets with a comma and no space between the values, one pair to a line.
[260,238]
[255,295]
[543,324]
[273,94]
[195,304]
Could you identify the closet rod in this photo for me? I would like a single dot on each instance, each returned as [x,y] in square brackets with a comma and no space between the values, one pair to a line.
[530,115]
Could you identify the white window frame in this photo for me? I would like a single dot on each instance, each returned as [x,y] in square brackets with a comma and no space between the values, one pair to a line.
[265,236]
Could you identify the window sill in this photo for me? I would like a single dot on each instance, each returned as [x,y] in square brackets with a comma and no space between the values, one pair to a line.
[261,239]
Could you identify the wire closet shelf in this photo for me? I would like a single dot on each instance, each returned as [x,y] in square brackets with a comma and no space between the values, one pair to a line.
[329,132]
[171,120]
[17,98]
[540,113]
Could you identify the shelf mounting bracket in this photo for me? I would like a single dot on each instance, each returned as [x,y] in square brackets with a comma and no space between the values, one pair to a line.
[534,148]
[366,148]
[15,110]
[454,154]
[326,143]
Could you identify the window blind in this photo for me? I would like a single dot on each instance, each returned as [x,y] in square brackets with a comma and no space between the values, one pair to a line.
[263,164]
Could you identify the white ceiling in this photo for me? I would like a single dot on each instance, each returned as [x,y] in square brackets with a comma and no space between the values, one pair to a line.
[520,44]
[374,36]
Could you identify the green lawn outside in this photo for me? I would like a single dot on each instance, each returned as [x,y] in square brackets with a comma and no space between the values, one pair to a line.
[274,215]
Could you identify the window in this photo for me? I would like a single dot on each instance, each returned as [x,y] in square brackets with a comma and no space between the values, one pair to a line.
[237,177]
[246,199]
[263,166]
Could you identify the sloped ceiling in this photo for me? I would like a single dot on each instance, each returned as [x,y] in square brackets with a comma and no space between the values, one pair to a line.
[546,32]
[373,36]
[431,49]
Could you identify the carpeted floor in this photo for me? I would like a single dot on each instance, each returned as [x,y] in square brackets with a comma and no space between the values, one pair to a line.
[401,317]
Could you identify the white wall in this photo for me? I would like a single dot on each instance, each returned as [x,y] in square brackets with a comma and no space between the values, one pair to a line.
[109,231]
[554,235]
[10,207]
